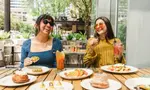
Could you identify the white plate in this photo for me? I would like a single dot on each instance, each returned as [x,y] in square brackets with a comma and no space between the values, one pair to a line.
[133,82]
[7,81]
[113,85]
[62,74]
[133,69]
[29,70]
[65,86]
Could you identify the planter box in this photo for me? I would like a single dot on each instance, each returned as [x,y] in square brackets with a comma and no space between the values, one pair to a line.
[2,45]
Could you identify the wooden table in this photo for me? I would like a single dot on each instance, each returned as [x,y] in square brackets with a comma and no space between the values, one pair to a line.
[52,75]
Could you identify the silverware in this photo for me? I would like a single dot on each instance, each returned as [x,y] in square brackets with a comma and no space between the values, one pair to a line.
[60,87]
[18,69]
[96,70]
[5,75]
[124,65]
[12,72]
[51,84]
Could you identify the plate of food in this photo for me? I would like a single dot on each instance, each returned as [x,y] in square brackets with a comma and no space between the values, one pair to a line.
[77,73]
[52,85]
[36,70]
[138,83]
[119,68]
[113,85]
[100,81]
[19,78]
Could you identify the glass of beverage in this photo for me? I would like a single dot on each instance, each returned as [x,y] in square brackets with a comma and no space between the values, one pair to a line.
[60,57]
[118,50]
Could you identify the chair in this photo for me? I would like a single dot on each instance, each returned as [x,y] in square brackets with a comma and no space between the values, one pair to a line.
[8,52]
[2,60]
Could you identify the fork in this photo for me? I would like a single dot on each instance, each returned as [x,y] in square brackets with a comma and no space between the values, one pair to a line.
[7,74]
[124,65]
[96,70]
[60,87]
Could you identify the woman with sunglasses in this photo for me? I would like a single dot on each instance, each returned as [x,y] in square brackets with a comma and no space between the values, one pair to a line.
[104,48]
[41,49]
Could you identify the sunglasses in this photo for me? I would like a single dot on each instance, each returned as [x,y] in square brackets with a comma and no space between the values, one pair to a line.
[46,22]
[99,26]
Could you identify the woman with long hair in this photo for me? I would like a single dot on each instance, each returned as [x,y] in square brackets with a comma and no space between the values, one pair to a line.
[103,48]
[43,46]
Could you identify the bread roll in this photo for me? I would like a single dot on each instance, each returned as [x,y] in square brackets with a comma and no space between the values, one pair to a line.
[20,77]
[100,81]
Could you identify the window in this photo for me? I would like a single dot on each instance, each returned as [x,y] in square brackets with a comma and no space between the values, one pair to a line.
[122,20]
[24,12]
[24,18]
[1,14]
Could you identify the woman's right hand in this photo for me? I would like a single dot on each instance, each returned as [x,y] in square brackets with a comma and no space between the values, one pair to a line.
[27,61]
[92,41]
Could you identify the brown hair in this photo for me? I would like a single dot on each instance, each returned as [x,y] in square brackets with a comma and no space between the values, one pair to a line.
[110,34]
[41,17]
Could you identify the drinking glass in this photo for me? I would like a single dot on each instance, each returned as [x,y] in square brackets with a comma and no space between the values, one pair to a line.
[118,50]
[60,57]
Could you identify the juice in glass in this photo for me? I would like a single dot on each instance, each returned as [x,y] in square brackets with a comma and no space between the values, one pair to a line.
[118,50]
[60,57]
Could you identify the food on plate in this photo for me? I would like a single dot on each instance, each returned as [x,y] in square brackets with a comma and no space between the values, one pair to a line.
[76,73]
[119,68]
[37,69]
[42,85]
[100,80]
[52,85]
[20,77]
[142,87]
[35,58]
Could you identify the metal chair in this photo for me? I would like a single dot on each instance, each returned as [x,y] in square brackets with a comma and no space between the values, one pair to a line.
[2,60]
[8,52]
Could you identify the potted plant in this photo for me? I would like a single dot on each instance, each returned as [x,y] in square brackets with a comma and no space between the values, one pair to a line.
[4,36]
[58,36]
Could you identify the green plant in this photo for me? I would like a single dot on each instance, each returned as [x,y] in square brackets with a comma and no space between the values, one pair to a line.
[122,33]
[76,36]
[26,28]
[1,20]
[18,36]
[83,36]
[25,35]
[54,7]
[58,36]
[4,35]
[70,36]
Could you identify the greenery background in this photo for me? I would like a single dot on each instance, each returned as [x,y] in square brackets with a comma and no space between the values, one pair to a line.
[86,8]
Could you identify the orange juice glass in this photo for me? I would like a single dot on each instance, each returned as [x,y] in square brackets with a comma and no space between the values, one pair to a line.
[60,57]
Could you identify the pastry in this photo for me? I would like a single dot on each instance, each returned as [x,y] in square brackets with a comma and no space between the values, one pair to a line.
[20,77]
[100,81]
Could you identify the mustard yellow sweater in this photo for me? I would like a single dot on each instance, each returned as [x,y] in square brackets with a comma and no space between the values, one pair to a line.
[102,54]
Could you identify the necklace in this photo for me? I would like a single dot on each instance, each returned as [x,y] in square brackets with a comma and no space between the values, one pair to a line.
[46,44]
